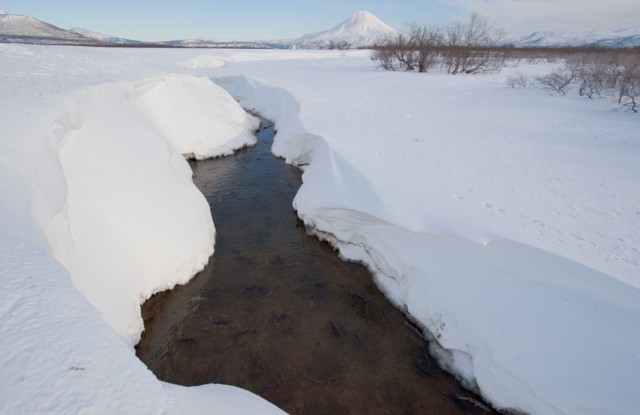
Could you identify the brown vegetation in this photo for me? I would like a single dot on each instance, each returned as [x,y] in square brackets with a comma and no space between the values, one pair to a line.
[599,72]
[472,47]
[468,47]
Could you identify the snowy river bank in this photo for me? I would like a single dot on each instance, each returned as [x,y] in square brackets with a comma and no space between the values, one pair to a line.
[278,313]
[512,235]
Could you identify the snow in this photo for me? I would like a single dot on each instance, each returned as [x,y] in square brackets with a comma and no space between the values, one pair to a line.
[504,221]
[93,175]
[13,25]
[628,37]
[90,33]
[169,116]
[362,29]
[102,37]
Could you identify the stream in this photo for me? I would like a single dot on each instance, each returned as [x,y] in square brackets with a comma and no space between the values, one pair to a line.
[277,312]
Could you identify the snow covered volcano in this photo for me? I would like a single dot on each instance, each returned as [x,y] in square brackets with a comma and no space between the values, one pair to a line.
[26,29]
[104,38]
[360,30]
[629,37]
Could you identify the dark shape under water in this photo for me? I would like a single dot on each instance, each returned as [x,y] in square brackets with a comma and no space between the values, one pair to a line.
[278,313]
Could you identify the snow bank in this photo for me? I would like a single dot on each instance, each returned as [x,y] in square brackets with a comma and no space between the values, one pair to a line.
[91,170]
[294,144]
[530,329]
[449,198]
[122,243]
[198,118]
[504,221]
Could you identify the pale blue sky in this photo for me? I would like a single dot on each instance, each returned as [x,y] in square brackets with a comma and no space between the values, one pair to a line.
[264,19]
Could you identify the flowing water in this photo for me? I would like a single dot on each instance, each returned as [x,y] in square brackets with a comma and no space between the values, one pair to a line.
[278,313]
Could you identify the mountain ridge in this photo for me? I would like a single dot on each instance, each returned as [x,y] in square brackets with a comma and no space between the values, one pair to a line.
[361,30]
[627,37]
[105,38]
[16,28]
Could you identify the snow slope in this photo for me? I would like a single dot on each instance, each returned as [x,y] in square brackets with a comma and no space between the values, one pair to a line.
[92,174]
[104,38]
[504,221]
[26,29]
[360,30]
[170,116]
[629,37]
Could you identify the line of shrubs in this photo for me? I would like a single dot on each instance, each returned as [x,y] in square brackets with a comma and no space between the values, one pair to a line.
[474,46]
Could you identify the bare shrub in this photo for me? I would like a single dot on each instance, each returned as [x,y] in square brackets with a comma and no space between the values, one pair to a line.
[425,41]
[518,81]
[598,72]
[629,82]
[463,48]
[558,80]
[395,53]
[383,53]
[593,71]
[472,47]
[341,45]
[415,50]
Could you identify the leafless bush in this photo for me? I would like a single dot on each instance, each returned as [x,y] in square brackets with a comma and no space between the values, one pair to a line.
[518,81]
[383,53]
[559,80]
[629,82]
[395,53]
[602,72]
[425,41]
[472,47]
[418,49]
[341,45]
[463,48]
[594,72]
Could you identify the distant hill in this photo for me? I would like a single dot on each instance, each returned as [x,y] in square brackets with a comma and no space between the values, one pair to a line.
[25,29]
[105,38]
[361,30]
[227,43]
[629,37]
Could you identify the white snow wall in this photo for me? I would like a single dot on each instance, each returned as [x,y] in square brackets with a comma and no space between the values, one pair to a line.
[133,223]
[533,330]
[97,177]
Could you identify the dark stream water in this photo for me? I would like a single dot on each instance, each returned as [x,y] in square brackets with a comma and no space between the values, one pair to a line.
[278,313]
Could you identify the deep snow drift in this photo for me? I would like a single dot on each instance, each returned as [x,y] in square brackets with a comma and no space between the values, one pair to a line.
[504,221]
[93,173]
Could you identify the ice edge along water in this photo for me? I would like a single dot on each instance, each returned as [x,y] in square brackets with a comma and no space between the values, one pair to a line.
[91,368]
[100,172]
[458,290]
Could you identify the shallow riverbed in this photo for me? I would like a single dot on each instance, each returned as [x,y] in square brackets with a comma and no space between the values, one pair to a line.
[278,313]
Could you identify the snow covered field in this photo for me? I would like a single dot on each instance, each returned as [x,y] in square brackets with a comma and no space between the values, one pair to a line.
[505,221]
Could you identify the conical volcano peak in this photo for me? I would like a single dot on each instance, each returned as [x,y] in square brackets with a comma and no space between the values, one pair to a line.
[362,14]
[365,19]
[362,29]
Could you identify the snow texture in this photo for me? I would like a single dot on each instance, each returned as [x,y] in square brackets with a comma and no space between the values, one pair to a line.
[19,29]
[362,29]
[93,174]
[629,37]
[104,38]
[504,221]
